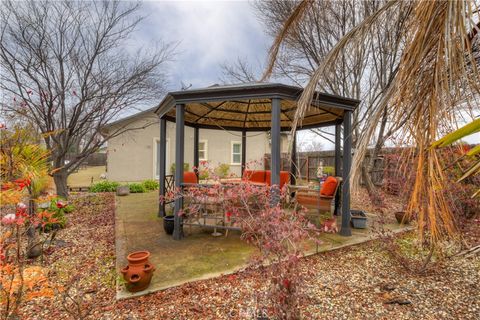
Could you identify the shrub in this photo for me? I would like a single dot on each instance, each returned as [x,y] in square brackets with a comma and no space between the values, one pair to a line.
[104,186]
[329,171]
[150,185]
[186,167]
[59,208]
[275,231]
[222,170]
[137,188]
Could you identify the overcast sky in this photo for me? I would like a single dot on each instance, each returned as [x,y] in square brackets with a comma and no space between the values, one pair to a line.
[209,33]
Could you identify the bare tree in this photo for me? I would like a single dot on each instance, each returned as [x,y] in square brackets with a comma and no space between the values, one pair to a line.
[436,79]
[66,68]
[312,145]
[358,74]
[238,72]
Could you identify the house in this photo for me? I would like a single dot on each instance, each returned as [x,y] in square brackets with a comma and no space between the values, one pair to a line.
[134,154]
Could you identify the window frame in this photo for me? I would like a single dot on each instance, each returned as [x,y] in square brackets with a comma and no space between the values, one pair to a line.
[156,141]
[205,151]
[232,144]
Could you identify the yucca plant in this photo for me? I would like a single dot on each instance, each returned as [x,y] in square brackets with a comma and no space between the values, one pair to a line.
[436,83]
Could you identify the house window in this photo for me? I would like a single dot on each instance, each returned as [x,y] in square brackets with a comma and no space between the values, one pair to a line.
[236,152]
[156,155]
[203,150]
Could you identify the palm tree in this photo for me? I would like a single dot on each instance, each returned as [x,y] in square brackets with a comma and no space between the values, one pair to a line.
[436,82]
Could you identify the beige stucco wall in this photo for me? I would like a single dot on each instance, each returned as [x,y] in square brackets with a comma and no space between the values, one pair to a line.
[132,155]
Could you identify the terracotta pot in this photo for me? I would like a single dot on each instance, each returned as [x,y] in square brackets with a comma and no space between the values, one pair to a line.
[139,271]
[401,217]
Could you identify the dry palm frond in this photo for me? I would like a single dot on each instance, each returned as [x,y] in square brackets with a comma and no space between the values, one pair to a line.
[289,24]
[437,77]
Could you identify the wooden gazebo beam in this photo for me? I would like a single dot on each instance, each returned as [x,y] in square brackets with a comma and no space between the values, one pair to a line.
[179,160]
[347,163]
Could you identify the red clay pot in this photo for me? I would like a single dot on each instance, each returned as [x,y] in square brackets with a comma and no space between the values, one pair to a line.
[139,271]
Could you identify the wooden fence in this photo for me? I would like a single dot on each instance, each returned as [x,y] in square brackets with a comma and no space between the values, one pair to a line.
[308,162]
[95,159]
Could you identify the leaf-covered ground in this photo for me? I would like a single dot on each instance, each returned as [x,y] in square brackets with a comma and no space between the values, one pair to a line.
[362,282]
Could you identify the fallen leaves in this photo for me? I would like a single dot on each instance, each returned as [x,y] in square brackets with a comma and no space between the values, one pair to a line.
[351,283]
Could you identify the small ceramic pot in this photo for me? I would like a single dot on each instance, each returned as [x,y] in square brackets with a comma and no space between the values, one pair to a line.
[139,271]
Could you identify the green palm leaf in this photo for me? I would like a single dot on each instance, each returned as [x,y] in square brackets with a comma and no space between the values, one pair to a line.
[458,134]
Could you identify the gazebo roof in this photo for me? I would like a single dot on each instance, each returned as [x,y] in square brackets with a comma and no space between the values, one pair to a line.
[248,107]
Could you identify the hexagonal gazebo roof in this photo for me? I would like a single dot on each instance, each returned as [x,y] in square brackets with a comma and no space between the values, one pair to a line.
[247,107]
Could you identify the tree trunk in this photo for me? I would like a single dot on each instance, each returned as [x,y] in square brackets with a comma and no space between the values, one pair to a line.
[60,179]
[34,248]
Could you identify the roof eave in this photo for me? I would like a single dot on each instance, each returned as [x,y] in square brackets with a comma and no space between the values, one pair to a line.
[260,91]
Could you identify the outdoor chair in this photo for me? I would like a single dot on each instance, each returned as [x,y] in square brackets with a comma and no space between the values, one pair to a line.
[322,200]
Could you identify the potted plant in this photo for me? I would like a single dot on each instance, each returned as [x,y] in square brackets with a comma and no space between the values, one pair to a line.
[358,219]
[169,224]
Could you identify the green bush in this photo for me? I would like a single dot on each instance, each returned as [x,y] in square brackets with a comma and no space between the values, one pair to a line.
[222,170]
[203,175]
[186,167]
[150,185]
[104,186]
[59,208]
[137,188]
[329,171]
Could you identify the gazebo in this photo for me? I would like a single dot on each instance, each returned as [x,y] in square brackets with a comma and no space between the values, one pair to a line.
[254,107]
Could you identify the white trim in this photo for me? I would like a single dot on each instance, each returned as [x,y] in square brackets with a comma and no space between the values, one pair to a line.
[232,143]
[205,151]
[167,158]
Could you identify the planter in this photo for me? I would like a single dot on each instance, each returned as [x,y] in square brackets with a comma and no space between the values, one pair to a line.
[358,219]
[168,224]
[402,217]
[123,190]
[139,271]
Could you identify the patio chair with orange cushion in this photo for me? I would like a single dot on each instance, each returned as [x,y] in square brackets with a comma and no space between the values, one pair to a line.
[323,200]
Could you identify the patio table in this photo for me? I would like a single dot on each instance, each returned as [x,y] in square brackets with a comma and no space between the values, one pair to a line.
[215,202]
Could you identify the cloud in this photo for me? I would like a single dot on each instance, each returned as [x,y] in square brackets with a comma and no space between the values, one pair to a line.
[209,33]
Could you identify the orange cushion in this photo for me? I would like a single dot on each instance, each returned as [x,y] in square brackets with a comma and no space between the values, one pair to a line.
[284,178]
[254,176]
[190,177]
[329,186]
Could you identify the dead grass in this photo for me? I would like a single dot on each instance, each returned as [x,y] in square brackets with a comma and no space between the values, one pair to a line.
[83,178]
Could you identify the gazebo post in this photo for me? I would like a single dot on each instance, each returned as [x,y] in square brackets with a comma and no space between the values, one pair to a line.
[179,160]
[275,151]
[163,157]
[338,128]
[244,149]
[196,142]
[293,160]
[347,163]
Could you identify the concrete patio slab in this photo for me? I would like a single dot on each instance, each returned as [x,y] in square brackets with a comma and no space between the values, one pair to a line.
[199,255]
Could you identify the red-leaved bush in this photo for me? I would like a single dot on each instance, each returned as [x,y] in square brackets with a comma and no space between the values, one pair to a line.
[278,232]
[399,178]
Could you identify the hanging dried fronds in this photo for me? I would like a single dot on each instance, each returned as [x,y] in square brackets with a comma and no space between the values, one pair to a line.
[436,80]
